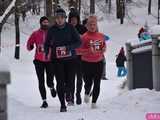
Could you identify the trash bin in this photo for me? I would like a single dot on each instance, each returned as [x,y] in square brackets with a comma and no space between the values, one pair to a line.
[142,69]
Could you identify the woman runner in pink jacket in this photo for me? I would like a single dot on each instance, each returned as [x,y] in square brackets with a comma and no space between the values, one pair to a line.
[42,63]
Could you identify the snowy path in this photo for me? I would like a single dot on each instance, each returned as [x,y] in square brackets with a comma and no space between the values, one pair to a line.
[24,100]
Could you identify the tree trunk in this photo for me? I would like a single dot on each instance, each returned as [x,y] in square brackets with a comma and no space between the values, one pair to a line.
[0,35]
[74,3]
[2,23]
[48,8]
[118,8]
[92,6]
[79,7]
[109,5]
[17,14]
[149,7]
[128,1]
[122,11]
[158,10]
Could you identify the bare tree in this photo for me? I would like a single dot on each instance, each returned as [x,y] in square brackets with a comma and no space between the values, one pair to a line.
[4,16]
[55,6]
[73,3]
[158,11]
[128,1]
[109,6]
[92,6]
[79,6]
[17,15]
[48,7]
[120,10]
[149,7]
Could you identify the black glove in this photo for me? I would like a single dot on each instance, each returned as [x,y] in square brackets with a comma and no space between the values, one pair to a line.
[31,47]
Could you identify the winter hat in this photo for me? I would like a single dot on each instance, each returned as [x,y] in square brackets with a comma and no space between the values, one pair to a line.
[42,19]
[122,50]
[74,13]
[60,12]
[84,22]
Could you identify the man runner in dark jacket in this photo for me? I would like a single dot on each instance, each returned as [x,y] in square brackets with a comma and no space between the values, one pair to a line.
[63,39]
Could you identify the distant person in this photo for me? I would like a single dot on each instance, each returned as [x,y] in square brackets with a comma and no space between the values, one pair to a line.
[120,63]
[74,19]
[143,34]
[63,39]
[42,64]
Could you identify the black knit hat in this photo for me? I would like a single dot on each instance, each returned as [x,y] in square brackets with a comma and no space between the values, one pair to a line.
[74,13]
[60,12]
[42,19]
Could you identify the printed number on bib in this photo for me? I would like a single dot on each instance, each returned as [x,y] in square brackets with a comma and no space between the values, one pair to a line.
[61,52]
[96,45]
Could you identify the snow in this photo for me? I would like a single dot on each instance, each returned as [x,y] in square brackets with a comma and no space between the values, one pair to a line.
[155,30]
[7,10]
[4,64]
[113,103]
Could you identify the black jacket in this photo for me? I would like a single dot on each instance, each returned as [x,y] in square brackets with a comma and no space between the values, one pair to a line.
[66,36]
[81,29]
[121,58]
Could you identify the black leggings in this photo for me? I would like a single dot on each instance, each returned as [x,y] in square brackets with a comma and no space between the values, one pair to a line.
[41,69]
[79,75]
[92,73]
[65,76]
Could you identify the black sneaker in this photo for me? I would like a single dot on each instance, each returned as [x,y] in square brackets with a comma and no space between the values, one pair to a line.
[78,99]
[53,92]
[104,78]
[44,104]
[63,109]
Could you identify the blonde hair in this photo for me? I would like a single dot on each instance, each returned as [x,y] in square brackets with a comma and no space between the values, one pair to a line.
[92,18]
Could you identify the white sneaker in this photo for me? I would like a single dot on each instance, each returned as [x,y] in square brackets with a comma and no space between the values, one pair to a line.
[86,98]
[93,106]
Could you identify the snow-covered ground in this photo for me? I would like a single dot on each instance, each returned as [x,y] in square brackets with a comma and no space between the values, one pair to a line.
[113,103]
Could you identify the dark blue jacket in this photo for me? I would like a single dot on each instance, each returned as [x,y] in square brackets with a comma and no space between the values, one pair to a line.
[66,36]
[121,58]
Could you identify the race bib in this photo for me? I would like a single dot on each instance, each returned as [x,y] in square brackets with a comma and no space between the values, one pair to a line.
[40,48]
[61,52]
[96,45]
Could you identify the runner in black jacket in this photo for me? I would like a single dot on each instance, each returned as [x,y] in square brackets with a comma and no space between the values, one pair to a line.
[63,39]
[74,19]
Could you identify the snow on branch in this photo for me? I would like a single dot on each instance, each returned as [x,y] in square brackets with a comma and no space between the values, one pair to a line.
[7,10]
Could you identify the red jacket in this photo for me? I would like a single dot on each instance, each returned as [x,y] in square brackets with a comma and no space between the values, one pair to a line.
[37,39]
[93,47]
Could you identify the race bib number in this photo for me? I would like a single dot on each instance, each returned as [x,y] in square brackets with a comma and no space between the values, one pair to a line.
[96,45]
[61,52]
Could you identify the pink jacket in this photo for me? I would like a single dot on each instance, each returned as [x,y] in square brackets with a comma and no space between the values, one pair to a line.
[93,47]
[37,39]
